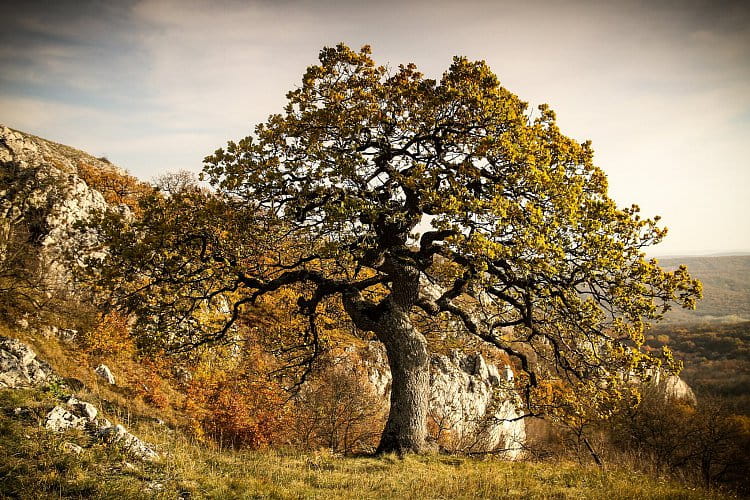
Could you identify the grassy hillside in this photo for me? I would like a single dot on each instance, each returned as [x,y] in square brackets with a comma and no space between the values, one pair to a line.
[726,288]
[34,463]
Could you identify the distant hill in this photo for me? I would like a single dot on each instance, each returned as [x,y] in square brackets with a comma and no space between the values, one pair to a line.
[726,288]
[716,358]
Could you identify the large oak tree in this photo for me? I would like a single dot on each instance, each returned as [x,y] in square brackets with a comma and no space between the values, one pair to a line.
[399,195]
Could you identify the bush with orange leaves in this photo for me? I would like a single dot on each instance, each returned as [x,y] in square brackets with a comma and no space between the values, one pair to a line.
[111,341]
[338,408]
[110,336]
[238,405]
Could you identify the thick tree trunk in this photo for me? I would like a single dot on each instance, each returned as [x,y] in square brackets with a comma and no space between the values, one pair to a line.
[406,428]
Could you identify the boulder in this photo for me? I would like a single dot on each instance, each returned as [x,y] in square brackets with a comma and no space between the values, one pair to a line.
[118,435]
[84,409]
[19,366]
[59,419]
[104,372]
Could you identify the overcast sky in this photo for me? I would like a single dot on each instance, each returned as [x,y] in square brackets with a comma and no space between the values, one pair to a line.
[661,88]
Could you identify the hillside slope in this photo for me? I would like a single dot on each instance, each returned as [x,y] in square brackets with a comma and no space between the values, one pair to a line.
[37,462]
[726,288]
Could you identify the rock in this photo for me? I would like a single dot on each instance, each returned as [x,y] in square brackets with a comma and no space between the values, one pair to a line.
[83,409]
[50,192]
[71,448]
[104,372]
[60,419]
[475,405]
[669,387]
[118,435]
[102,423]
[19,366]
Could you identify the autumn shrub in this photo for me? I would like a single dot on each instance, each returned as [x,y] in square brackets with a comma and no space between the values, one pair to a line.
[339,410]
[110,336]
[149,384]
[238,405]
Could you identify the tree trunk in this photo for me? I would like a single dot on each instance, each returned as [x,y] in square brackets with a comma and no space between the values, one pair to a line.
[406,428]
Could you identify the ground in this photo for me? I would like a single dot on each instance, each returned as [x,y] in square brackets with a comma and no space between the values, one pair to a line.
[34,463]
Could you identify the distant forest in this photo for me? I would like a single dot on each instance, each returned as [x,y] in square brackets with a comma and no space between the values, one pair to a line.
[716,357]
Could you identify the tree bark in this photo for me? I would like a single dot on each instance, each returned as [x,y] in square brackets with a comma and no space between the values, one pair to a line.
[408,358]
[406,428]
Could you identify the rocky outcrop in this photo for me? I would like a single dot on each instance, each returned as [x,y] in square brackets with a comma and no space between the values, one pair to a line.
[45,188]
[19,368]
[59,419]
[117,435]
[670,387]
[473,404]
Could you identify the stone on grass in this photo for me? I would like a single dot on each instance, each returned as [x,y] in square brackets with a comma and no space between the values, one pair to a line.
[83,409]
[118,435]
[104,372]
[59,419]
[19,366]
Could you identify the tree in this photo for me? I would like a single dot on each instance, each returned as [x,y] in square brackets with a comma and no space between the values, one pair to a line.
[519,241]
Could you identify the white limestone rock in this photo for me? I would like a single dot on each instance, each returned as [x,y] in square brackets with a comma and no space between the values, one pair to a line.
[118,435]
[83,409]
[59,419]
[670,387]
[104,372]
[57,197]
[19,366]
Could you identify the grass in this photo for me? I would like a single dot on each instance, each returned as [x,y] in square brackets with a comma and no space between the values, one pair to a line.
[34,463]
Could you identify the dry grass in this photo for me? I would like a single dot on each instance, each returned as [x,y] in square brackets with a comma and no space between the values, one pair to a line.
[33,463]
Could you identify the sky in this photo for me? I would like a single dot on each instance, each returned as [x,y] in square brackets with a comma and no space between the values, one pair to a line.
[661,88]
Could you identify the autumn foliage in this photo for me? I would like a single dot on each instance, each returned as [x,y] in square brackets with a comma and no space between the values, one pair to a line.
[238,406]
[118,187]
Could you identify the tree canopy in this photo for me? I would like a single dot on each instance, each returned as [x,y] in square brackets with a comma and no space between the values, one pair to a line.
[397,194]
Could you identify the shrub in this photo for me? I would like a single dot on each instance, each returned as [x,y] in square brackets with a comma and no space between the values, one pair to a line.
[238,406]
[340,411]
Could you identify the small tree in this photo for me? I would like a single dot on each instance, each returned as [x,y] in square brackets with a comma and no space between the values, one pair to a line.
[519,241]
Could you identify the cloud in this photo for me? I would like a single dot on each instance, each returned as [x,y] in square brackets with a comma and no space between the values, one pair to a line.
[663,89]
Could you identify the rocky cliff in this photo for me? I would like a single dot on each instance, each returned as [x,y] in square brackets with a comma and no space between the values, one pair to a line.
[45,190]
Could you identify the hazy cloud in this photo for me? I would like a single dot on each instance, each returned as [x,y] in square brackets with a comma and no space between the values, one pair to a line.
[662,88]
